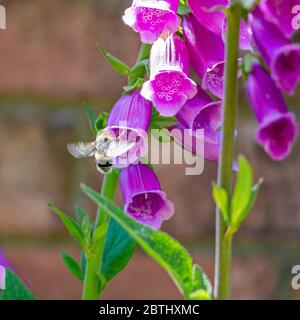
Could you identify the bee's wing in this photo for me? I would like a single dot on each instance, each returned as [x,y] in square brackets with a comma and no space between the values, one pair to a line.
[82,149]
[117,148]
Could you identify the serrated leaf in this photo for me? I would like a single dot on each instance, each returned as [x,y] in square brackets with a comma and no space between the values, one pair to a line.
[221,198]
[200,280]
[242,191]
[15,288]
[118,65]
[91,117]
[72,266]
[72,226]
[160,246]
[118,250]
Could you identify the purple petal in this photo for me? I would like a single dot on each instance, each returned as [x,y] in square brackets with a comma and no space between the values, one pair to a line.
[283,13]
[210,117]
[144,200]
[190,140]
[130,118]
[2,277]
[285,68]
[3,261]
[192,107]
[268,38]
[169,91]
[132,109]
[245,35]
[277,134]
[213,80]
[277,127]
[200,42]
[168,54]
[213,20]
[152,18]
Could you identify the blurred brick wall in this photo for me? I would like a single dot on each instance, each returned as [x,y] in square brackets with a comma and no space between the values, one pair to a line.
[49,64]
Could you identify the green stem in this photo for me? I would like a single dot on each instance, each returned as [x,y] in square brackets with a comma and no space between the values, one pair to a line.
[92,286]
[224,243]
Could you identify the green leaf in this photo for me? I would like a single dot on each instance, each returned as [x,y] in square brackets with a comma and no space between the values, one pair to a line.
[138,71]
[221,198]
[72,266]
[15,288]
[136,85]
[183,9]
[117,64]
[80,214]
[248,4]
[118,250]
[160,122]
[161,135]
[101,121]
[100,232]
[160,246]
[92,118]
[71,225]
[201,282]
[246,211]
[242,190]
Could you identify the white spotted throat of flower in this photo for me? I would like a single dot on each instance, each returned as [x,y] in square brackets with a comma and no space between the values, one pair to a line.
[105,148]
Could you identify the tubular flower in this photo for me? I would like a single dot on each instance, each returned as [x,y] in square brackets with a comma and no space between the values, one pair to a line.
[4,264]
[2,277]
[200,113]
[3,261]
[151,18]
[283,14]
[169,86]
[279,53]
[277,127]
[129,120]
[144,200]
[207,16]
[207,62]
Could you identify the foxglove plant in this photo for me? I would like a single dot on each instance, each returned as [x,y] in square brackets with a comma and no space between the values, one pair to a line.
[152,18]
[144,200]
[279,52]
[169,86]
[210,36]
[277,127]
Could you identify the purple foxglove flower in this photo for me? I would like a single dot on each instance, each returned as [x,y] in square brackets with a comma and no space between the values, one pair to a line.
[207,62]
[144,200]
[212,20]
[3,261]
[152,18]
[130,119]
[169,86]
[277,127]
[2,277]
[283,14]
[200,113]
[279,53]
